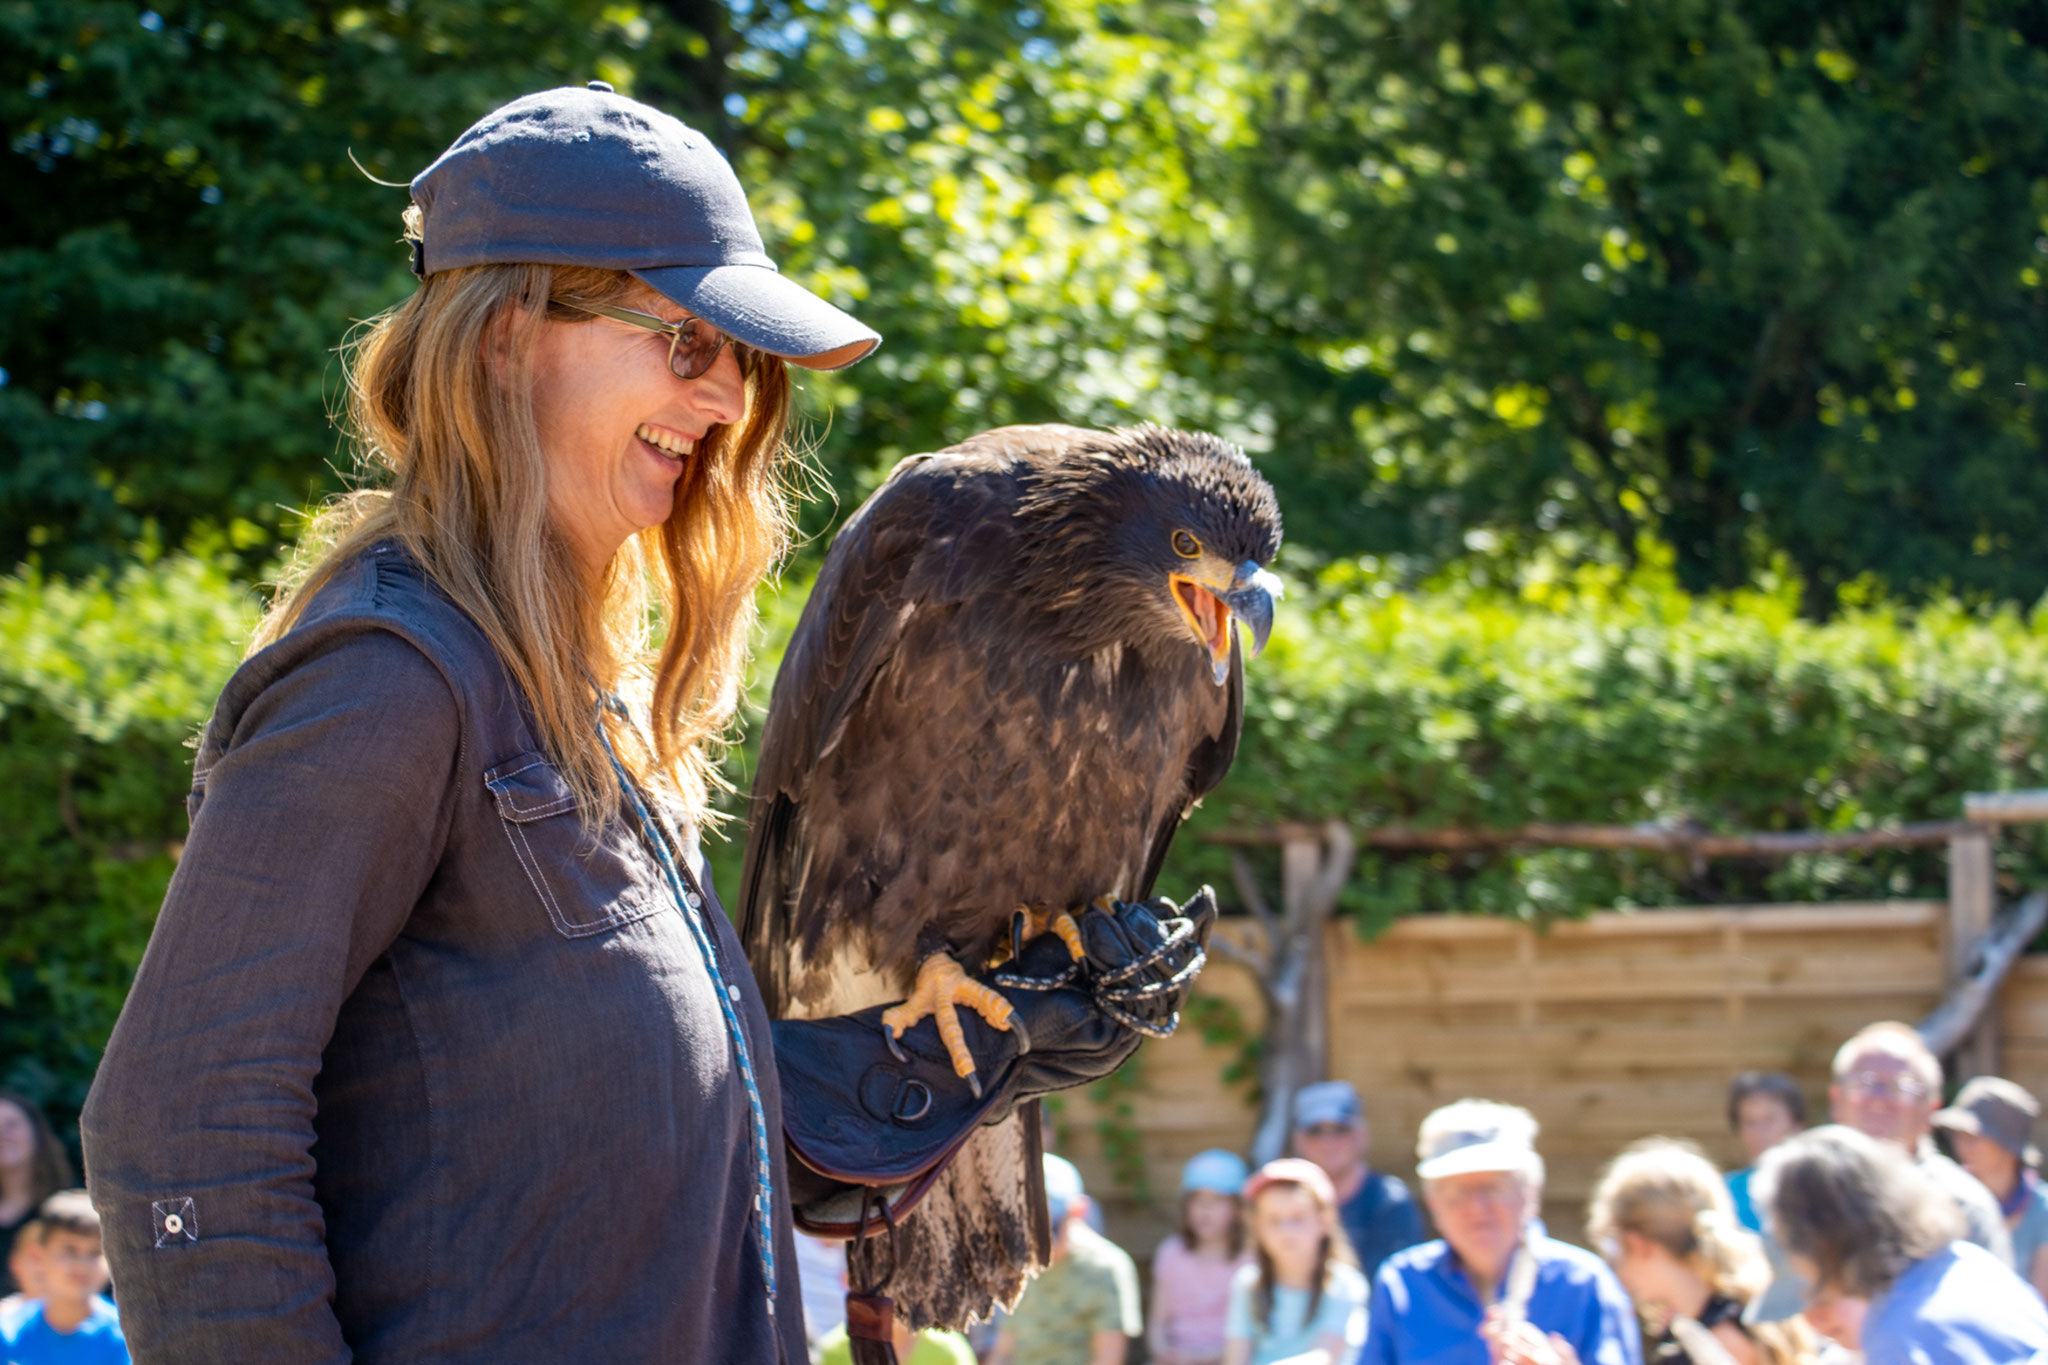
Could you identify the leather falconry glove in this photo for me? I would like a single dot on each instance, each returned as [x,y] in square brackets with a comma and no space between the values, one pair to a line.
[862,1123]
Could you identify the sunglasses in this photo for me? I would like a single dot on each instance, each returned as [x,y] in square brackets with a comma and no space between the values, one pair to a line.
[693,343]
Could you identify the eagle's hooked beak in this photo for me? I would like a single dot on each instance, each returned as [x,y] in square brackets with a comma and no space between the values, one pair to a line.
[1248,596]
[1250,600]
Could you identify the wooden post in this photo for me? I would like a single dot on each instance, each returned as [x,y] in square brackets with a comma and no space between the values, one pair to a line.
[1293,972]
[1972,897]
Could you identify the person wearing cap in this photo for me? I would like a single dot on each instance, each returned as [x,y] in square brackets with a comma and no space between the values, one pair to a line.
[1494,1287]
[1192,1270]
[442,1048]
[1886,1085]
[1083,1309]
[1303,1301]
[1377,1211]
[1991,1125]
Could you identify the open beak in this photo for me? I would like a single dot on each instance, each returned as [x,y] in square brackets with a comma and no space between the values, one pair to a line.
[1249,598]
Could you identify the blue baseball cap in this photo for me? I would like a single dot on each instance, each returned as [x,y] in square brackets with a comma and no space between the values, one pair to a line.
[586,176]
[1062,1188]
[1216,1171]
[1327,1102]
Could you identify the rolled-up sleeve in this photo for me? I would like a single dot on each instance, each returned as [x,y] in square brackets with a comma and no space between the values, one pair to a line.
[317,825]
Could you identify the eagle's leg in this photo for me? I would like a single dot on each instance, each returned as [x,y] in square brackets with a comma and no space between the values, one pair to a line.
[942,986]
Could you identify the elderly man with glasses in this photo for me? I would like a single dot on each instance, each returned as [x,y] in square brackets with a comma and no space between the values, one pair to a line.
[1887,1086]
[1496,1289]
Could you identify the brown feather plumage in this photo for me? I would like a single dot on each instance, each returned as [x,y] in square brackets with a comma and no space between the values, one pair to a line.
[990,699]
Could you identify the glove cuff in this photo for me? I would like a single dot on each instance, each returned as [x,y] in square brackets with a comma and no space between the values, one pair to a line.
[863,1120]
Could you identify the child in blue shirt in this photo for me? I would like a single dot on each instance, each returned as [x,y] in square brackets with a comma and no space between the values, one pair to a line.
[1303,1301]
[71,1324]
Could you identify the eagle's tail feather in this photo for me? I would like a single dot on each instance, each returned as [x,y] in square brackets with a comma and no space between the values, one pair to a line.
[980,1235]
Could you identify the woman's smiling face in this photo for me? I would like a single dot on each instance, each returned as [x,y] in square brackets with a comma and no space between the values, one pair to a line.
[616,425]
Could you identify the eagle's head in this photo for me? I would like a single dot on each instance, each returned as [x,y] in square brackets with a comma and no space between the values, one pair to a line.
[1155,537]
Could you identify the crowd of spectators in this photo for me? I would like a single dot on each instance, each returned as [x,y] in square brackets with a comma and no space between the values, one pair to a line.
[1857,1240]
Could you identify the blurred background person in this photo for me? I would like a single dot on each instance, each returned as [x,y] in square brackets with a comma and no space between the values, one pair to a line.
[1882,1246]
[25,1263]
[1303,1298]
[1764,1108]
[1193,1268]
[821,1278]
[1887,1086]
[1991,1126]
[33,1166]
[71,1323]
[1083,1309]
[1663,1218]
[1494,1267]
[1303,1301]
[1378,1213]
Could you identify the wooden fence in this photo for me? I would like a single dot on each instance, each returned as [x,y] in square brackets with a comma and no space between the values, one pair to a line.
[1608,1029]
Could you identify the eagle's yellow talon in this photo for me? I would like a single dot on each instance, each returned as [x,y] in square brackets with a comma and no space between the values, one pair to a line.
[1037,921]
[942,986]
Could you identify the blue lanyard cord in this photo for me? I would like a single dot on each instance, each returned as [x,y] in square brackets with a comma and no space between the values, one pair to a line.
[691,905]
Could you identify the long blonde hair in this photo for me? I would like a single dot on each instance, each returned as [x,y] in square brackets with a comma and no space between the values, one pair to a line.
[1667,1190]
[453,437]
[1333,1249]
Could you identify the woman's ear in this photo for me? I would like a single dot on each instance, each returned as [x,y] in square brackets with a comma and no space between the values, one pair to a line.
[501,344]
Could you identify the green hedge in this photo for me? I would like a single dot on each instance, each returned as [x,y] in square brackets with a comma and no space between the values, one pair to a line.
[103,684]
[1610,701]
[1591,699]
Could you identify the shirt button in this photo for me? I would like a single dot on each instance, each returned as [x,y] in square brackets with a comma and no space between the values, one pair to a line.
[733,993]
[693,900]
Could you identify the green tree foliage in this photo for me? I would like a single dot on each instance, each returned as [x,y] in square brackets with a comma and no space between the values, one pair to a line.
[1761,281]
[189,241]
[1014,196]
[1755,279]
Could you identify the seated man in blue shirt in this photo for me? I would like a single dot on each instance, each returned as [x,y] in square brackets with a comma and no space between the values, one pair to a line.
[1495,1279]
[1378,1213]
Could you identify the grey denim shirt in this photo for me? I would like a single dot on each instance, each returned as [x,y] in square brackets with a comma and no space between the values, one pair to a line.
[438,1083]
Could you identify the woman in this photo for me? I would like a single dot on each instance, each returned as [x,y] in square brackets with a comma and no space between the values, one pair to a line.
[1992,1126]
[1764,1108]
[1662,1217]
[1881,1246]
[442,1049]
[1303,1299]
[33,1167]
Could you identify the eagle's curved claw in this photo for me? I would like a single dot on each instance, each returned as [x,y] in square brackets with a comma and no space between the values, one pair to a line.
[1030,921]
[942,987]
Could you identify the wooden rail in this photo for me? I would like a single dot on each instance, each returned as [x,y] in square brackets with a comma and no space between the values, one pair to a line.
[1979,947]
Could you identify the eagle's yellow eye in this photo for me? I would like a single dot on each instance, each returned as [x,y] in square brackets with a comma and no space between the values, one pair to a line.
[1186,546]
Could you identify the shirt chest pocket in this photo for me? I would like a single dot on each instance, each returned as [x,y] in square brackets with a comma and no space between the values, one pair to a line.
[588,883]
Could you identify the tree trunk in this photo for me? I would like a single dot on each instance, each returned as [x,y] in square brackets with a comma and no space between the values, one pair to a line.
[1294,975]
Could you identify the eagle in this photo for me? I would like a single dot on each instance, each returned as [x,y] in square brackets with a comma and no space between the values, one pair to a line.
[1015,676]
